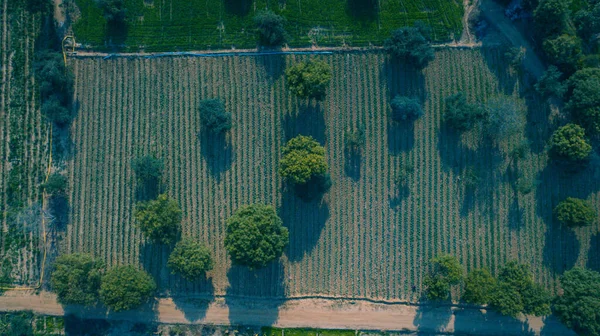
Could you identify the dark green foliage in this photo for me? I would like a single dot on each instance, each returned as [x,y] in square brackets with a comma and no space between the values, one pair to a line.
[446,271]
[405,108]
[437,288]
[569,143]
[270,26]
[551,17]
[514,57]
[479,286]
[76,279]
[125,288]
[354,140]
[584,101]
[55,111]
[16,324]
[587,21]
[578,306]
[506,300]
[309,79]
[114,10]
[190,259]
[564,51]
[255,236]
[303,158]
[550,84]
[536,300]
[35,6]
[461,115]
[159,219]
[148,169]
[409,45]
[575,212]
[56,184]
[505,117]
[213,115]
[55,85]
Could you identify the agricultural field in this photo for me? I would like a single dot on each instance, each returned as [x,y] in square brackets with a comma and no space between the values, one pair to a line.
[169,25]
[366,237]
[25,139]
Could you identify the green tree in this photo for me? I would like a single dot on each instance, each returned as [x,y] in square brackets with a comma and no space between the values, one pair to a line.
[550,83]
[56,184]
[437,288]
[575,212]
[114,10]
[159,219]
[213,115]
[409,45]
[405,108]
[564,51]
[76,279]
[584,100]
[587,21]
[578,305]
[551,17]
[148,169]
[55,84]
[506,117]
[303,158]
[569,143]
[506,300]
[354,140]
[445,272]
[479,286]
[190,259]
[255,236]
[270,26]
[125,288]
[309,79]
[461,115]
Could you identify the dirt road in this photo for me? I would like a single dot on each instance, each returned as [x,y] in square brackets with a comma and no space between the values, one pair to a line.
[315,313]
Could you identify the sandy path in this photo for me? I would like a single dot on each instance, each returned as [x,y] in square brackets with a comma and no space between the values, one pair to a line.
[316,313]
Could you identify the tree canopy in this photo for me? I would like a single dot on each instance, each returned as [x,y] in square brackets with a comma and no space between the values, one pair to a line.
[309,79]
[550,83]
[551,17]
[575,212]
[405,108]
[190,259]
[409,45]
[159,219]
[148,169]
[213,115]
[564,51]
[76,279]
[584,101]
[578,305]
[270,26]
[55,84]
[569,143]
[505,117]
[303,158]
[461,115]
[445,272]
[114,10]
[125,288]
[479,286]
[255,236]
[56,184]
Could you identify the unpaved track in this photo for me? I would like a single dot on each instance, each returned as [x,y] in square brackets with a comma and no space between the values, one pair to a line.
[315,313]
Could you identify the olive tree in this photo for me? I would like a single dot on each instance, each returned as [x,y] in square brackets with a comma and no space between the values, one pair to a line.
[159,219]
[479,286]
[191,259]
[270,26]
[405,108]
[76,279]
[461,115]
[568,143]
[309,79]
[303,158]
[126,288]
[114,10]
[578,304]
[445,272]
[213,115]
[584,101]
[575,212]
[409,45]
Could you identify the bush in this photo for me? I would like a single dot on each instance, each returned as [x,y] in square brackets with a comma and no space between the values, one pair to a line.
[271,31]
[405,108]
[114,10]
[56,184]
[76,279]
[148,169]
[354,140]
[255,236]
[303,158]
[159,219]
[564,51]
[309,79]
[213,115]
[578,307]
[190,259]
[575,212]
[505,117]
[479,286]
[125,288]
[584,100]
[409,45]
[569,143]
[551,17]
[461,115]
[550,84]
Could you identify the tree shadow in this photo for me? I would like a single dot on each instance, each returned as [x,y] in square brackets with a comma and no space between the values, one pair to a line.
[363,10]
[238,7]
[401,137]
[352,163]
[148,190]
[593,261]
[194,308]
[260,291]
[308,120]
[432,318]
[75,325]
[486,322]
[59,209]
[304,220]
[493,53]
[561,247]
[274,65]
[153,258]
[217,152]
[552,326]
[116,34]
[403,79]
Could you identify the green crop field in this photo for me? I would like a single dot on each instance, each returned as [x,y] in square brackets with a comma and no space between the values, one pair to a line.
[168,25]
[366,237]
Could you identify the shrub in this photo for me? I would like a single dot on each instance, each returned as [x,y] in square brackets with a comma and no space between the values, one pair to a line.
[148,169]
[461,115]
[309,79]
[578,307]
[479,286]
[570,144]
[56,184]
[271,31]
[408,44]
[405,108]
[303,158]
[114,10]
[159,219]
[550,84]
[505,117]
[584,100]
[575,212]
[76,279]
[213,115]
[255,236]
[190,259]
[125,288]
[354,140]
